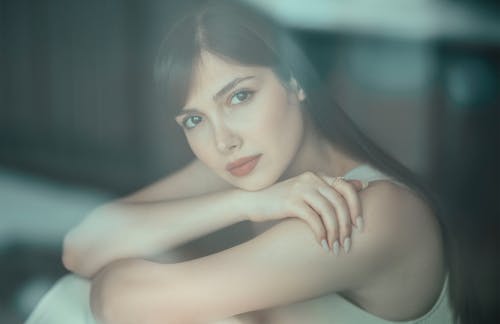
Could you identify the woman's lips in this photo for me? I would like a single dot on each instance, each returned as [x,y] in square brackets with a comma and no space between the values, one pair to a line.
[243,166]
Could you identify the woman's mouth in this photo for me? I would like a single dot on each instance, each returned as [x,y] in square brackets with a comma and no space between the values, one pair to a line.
[243,166]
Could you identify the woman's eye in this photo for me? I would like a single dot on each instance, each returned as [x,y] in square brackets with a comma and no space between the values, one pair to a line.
[191,121]
[240,96]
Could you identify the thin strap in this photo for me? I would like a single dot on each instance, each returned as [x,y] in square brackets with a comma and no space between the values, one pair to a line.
[366,174]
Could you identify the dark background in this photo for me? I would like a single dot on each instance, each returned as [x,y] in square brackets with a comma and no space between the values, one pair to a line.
[79,125]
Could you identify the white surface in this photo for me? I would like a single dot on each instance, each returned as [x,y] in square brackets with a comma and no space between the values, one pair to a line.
[40,211]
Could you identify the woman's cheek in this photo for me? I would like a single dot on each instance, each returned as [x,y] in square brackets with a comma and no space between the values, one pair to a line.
[196,147]
[268,121]
[200,146]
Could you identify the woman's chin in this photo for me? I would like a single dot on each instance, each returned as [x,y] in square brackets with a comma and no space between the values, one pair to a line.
[253,184]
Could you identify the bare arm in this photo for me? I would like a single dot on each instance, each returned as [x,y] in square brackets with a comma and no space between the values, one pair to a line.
[127,229]
[192,180]
[139,224]
[280,266]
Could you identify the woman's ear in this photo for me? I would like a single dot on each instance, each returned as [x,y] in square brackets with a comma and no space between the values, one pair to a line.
[301,95]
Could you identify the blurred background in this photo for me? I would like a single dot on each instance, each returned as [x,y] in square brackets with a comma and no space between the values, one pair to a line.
[79,124]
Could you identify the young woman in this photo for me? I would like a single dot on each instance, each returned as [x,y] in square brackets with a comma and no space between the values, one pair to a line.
[271,147]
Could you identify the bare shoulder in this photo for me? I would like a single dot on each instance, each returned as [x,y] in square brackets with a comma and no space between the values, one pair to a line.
[398,211]
[193,179]
[405,226]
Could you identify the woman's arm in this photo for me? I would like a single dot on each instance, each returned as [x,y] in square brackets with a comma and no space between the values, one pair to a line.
[124,230]
[192,180]
[113,231]
[281,266]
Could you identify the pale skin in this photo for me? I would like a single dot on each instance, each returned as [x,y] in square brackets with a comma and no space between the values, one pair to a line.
[393,269]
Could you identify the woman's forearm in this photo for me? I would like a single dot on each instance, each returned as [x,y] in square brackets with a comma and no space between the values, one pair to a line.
[123,229]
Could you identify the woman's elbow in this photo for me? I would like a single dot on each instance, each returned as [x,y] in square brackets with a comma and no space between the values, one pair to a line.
[132,291]
[69,253]
[73,257]
[83,245]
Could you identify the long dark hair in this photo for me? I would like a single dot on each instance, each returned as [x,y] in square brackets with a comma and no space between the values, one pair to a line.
[238,33]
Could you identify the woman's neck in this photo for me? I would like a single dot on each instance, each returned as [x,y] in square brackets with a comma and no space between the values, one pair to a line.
[319,155]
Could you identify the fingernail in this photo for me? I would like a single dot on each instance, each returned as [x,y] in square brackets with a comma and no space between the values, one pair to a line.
[325,245]
[347,244]
[336,248]
[359,223]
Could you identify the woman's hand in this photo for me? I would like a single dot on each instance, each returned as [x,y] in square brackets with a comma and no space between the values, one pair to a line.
[329,205]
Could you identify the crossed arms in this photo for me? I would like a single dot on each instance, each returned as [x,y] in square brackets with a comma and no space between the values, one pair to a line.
[280,266]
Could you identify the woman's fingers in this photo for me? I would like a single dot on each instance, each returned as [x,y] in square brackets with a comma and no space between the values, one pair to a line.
[349,191]
[342,213]
[358,184]
[309,215]
[330,205]
[326,211]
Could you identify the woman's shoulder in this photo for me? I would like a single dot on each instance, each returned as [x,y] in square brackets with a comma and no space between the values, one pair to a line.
[392,202]
[405,226]
[398,212]
[398,208]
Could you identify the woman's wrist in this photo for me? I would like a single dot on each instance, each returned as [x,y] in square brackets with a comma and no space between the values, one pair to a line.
[241,203]
[247,204]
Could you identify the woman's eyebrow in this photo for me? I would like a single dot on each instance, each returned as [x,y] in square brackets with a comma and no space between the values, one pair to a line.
[230,86]
[187,111]
[219,94]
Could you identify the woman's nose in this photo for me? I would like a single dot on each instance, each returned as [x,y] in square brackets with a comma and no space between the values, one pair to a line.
[227,141]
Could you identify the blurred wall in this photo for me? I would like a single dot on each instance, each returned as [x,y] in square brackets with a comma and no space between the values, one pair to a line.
[76,83]
[76,97]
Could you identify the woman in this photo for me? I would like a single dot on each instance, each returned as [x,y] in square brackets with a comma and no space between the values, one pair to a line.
[271,147]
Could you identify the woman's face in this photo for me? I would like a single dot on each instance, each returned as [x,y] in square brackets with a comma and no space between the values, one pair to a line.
[242,122]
